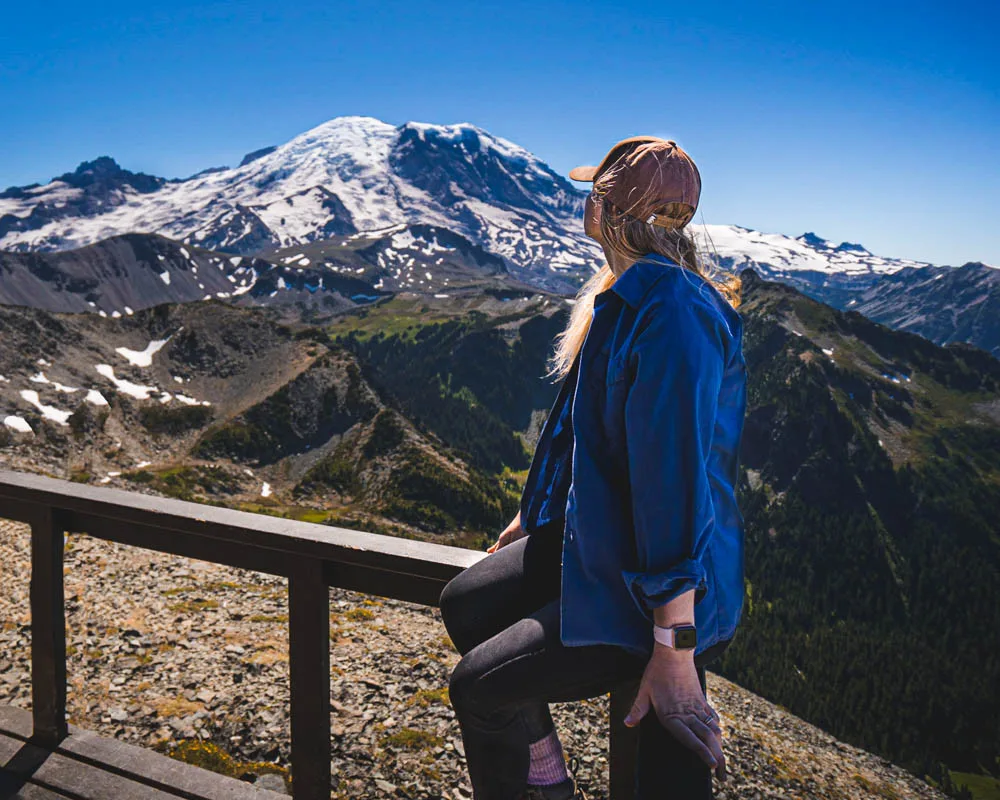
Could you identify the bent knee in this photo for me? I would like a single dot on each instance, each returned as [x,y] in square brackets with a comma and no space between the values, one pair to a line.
[454,601]
[462,688]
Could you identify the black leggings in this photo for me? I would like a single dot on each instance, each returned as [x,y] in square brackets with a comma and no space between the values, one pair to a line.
[502,613]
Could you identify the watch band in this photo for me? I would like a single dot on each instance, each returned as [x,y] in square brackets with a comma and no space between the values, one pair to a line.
[677,637]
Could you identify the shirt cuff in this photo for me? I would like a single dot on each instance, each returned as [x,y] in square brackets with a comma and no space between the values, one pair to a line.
[656,589]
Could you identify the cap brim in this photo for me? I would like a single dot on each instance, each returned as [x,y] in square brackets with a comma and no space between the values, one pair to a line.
[588,173]
[583,173]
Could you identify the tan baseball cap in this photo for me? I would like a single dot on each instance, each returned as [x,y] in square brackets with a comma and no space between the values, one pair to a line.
[656,181]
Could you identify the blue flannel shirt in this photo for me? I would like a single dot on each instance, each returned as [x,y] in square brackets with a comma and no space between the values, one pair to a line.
[638,461]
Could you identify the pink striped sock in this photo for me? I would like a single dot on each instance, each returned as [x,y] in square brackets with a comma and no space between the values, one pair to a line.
[547,763]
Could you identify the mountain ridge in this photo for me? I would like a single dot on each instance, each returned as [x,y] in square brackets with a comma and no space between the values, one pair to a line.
[355,172]
[431,159]
[357,176]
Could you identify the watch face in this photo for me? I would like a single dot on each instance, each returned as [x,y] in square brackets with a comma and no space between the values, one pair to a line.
[685,638]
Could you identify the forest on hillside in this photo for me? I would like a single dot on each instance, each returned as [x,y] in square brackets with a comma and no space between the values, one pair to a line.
[871,566]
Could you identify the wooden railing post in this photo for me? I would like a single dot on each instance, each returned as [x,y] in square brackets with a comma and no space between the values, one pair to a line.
[48,630]
[622,743]
[309,671]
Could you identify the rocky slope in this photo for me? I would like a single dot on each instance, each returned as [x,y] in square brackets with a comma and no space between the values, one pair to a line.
[207,401]
[870,485]
[871,503]
[943,304]
[119,276]
[125,274]
[191,658]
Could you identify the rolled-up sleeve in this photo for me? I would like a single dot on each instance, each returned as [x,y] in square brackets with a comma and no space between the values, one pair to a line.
[679,359]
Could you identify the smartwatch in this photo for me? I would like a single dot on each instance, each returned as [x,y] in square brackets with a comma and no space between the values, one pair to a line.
[678,637]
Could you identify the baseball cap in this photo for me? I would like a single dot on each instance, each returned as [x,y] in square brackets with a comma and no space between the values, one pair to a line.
[655,180]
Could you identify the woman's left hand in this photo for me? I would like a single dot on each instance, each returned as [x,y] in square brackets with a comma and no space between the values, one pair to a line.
[670,685]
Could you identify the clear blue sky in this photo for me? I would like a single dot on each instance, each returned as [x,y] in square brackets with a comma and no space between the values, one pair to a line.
[874,122]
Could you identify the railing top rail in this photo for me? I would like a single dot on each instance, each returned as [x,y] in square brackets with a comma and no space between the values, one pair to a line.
[22,495]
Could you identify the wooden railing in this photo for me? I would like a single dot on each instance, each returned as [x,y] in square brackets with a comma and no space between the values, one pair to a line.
[312,557]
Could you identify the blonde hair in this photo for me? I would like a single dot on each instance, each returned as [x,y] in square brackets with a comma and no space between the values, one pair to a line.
[633,239]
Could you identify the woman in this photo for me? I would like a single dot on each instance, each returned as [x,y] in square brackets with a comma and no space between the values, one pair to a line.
[625,560]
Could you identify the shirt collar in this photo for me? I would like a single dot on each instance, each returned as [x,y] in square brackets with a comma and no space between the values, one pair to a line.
[639,278]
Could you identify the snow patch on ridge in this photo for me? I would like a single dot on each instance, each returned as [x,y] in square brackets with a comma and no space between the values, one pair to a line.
[142,358]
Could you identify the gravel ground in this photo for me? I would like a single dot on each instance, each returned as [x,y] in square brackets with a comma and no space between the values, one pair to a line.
[166,651]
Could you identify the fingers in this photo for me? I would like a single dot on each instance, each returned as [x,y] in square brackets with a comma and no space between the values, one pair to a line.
[712,739]
[710,718]
[700,731]
[679,728]
[639,708]
[704,739]
[502,541]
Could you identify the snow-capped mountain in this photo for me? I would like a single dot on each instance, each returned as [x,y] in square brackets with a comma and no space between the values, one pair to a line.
[736,248]
[348,175]
[415,207]
[360,175]
[943,304]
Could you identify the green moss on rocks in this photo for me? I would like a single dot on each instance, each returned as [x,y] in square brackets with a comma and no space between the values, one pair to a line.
[210,756]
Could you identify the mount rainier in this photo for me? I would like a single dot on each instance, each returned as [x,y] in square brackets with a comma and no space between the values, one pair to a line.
[379,199]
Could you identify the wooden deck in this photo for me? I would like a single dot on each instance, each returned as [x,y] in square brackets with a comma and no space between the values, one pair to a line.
[85,766]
